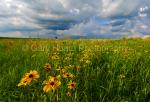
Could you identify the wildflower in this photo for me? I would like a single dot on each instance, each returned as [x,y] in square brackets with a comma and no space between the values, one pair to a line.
[72,85]
[61,70]
[55,78]
[81,60]
[51,84]
[28,77]
[47,67]
[68,75]
[55,56]
[69,94]
[24,81]
[71,66]
[33,75]
[67,59]
[122,76]
[87,62]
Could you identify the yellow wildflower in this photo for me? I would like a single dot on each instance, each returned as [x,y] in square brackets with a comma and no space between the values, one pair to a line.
[47,67]
[33,75]
[122,76]
[24,81]
[69,94]
[28,77]
[51,84]
[61,70]
[72,85]
[68,75]
[87,62]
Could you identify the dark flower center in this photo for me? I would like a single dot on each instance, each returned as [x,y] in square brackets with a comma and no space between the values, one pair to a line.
[52,83]
[30,76]
[25,81]
[72,85]
[47,69]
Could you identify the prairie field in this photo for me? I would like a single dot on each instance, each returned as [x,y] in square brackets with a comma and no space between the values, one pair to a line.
[74,70]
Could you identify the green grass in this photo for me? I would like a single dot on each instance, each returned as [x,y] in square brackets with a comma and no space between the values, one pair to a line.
[118,70]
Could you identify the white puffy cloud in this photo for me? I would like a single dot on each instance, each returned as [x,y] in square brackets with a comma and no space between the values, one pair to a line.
[74,17]
[119,7]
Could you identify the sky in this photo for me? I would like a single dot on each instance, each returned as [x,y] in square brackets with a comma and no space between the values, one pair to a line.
[74,18]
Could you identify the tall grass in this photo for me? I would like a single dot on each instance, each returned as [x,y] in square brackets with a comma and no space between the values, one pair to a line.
[108,70]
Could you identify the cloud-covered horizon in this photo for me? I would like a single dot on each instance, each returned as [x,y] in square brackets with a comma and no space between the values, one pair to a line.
[67,18]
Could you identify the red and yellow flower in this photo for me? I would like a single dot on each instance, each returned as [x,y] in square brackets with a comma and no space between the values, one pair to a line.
[68,75]
[47,67]
[52,84]
[72,85]
[28,77]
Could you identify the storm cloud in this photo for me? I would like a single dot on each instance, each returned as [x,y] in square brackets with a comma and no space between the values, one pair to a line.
[66,18]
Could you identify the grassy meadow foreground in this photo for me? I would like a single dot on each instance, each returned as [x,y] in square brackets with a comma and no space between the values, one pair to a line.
[83,70]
